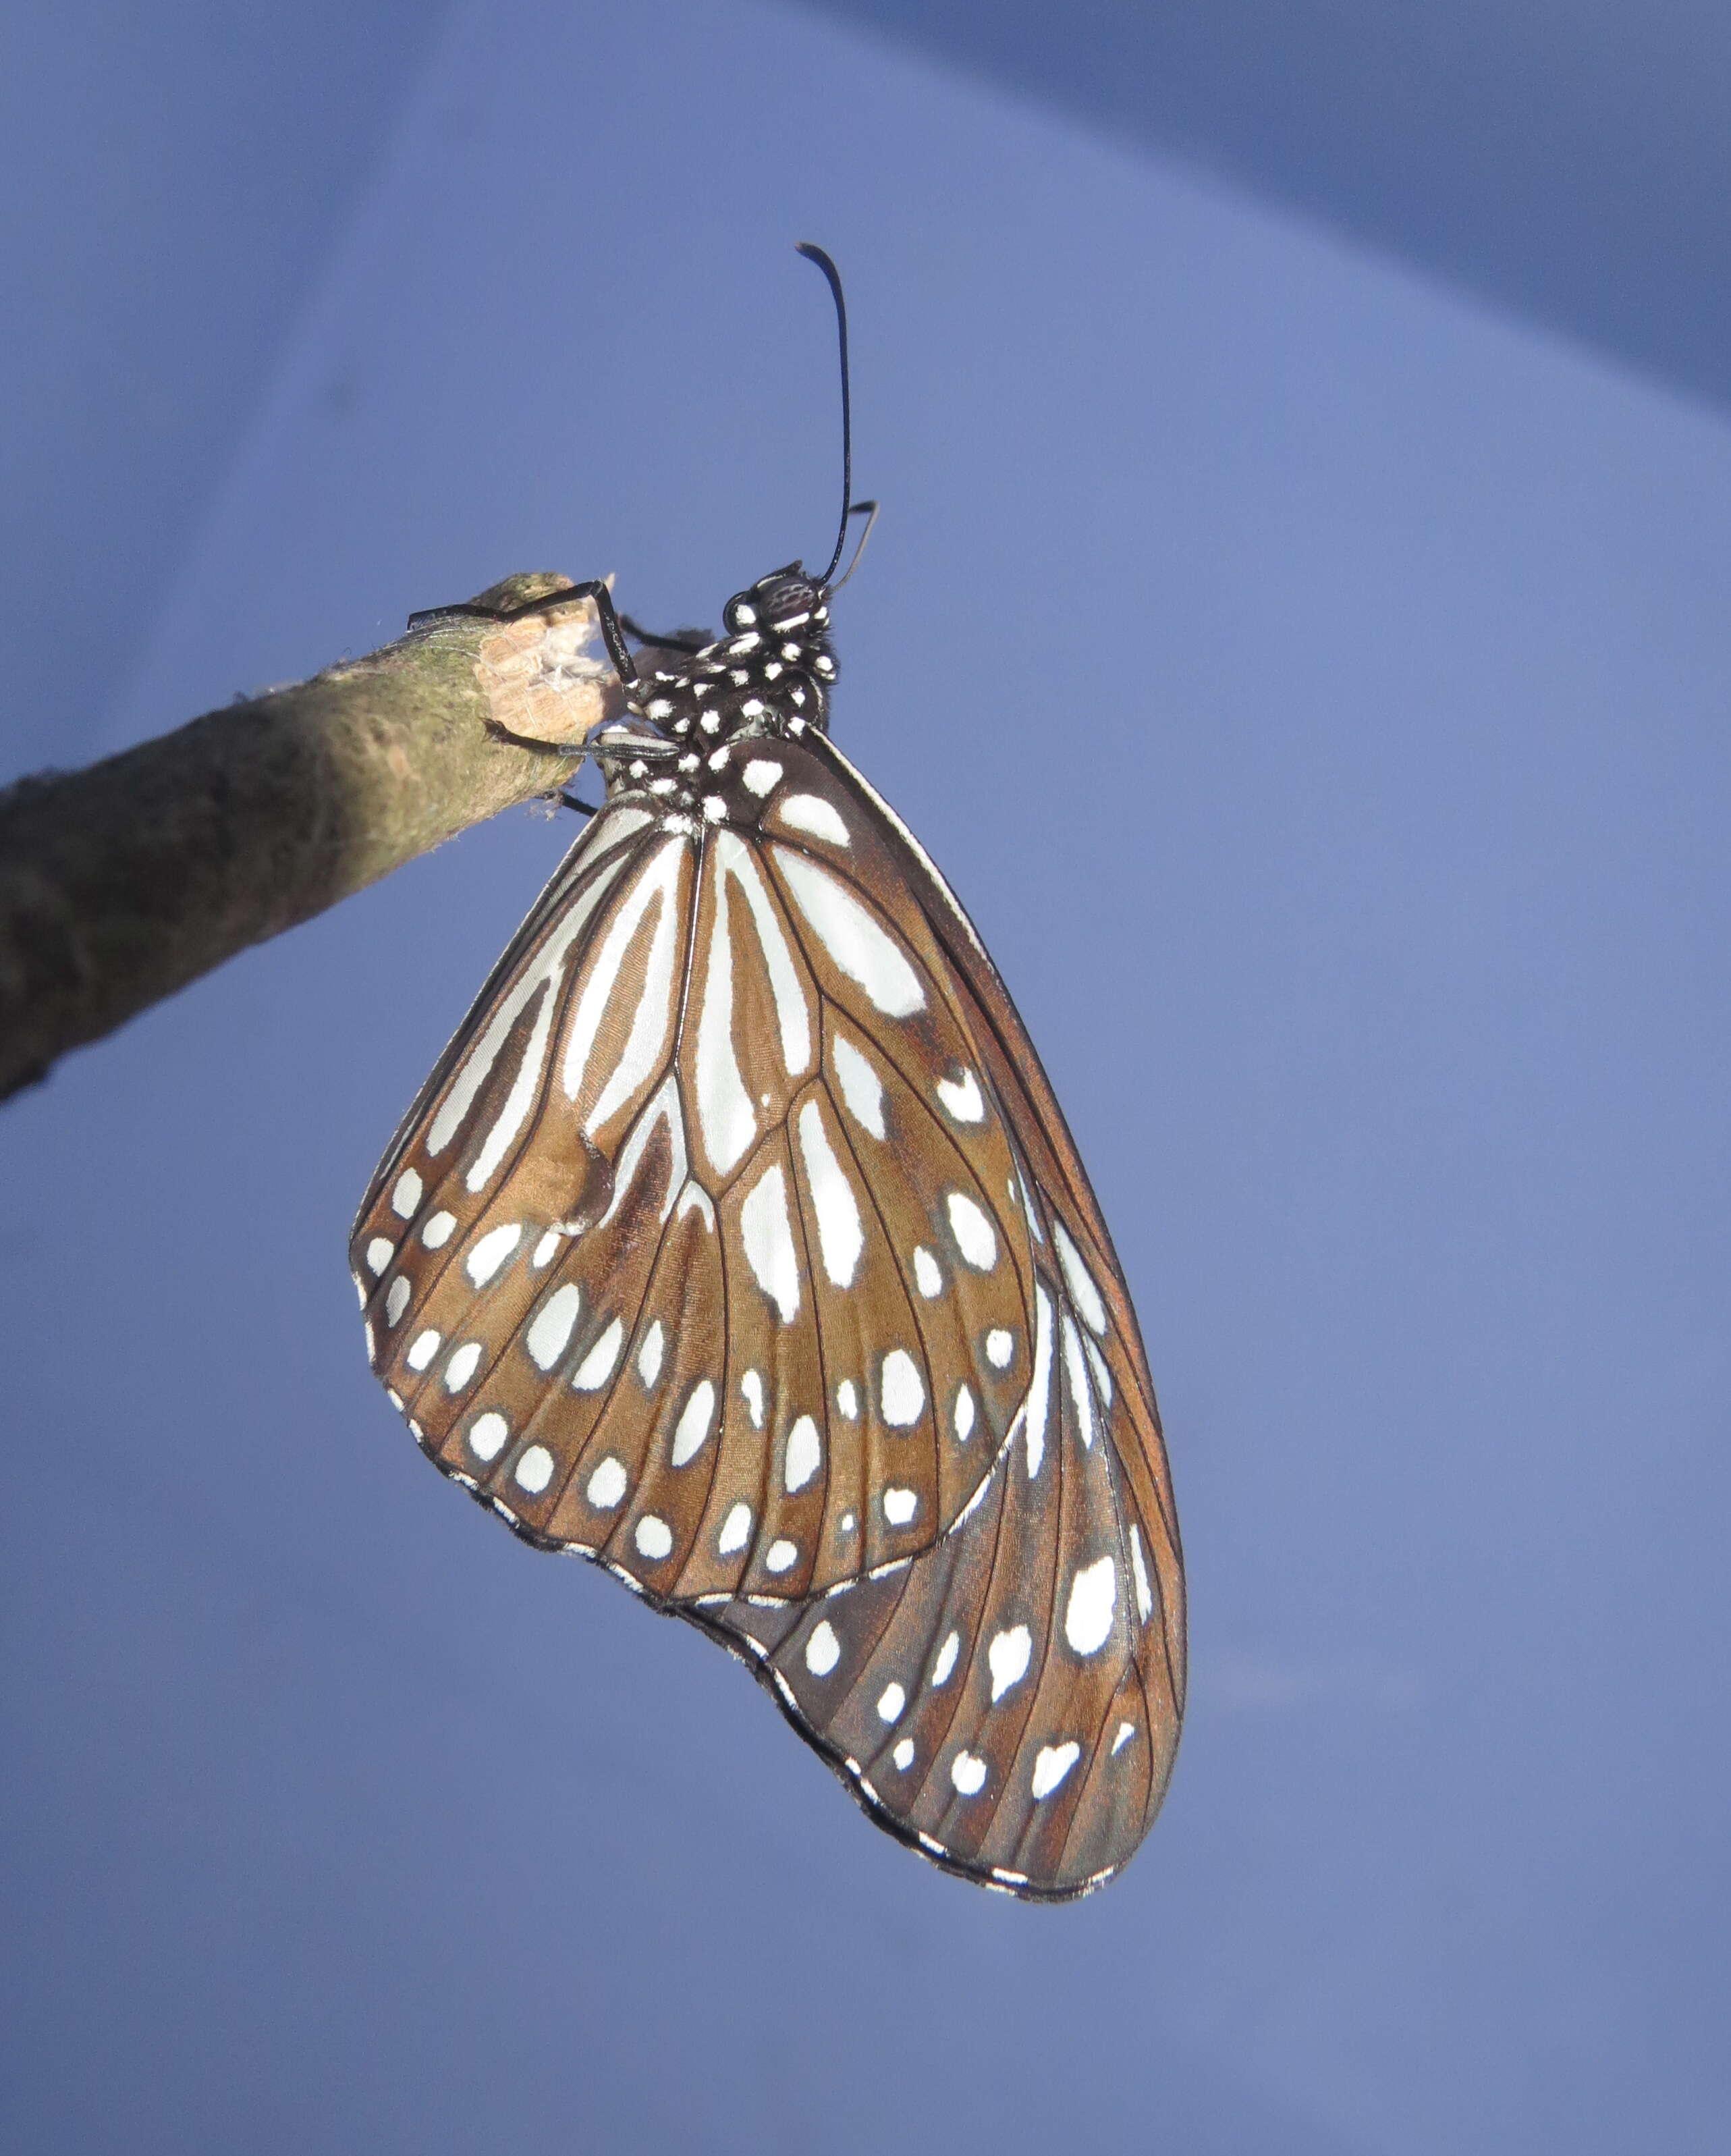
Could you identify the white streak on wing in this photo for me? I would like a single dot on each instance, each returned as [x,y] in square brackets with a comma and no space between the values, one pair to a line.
[733,857]
[810,812]
[854,936]
[769,1242]
[1139,1566]
[1039,1391]
[663,1101]
[1097,1363]
[655,885]
[920,855]
[1079,1280]
[840,1233]
[543,975]
[862,1088]
[525,1086]
[694,1198]
[724,1113]
[652,1021]
[1077,1372]
[608,829]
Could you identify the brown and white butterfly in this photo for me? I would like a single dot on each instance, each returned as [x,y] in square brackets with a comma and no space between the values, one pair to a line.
[738,1241]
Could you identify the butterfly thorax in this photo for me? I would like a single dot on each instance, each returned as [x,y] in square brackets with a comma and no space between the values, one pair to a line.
[770,675]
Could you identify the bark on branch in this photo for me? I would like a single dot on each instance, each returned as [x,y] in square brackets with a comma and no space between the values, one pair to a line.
[122,883]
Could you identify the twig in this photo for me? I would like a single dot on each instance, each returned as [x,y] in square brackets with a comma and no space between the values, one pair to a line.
[122,883]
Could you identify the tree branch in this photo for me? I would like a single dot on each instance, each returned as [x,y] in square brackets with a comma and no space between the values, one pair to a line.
[122,883]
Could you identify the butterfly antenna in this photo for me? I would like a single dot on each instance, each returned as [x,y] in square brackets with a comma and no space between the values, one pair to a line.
[817,254]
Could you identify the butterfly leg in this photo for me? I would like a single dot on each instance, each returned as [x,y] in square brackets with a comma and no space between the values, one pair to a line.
[676,640]
[593,589]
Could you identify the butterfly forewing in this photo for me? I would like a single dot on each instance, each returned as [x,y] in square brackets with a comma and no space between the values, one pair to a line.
[737,1240]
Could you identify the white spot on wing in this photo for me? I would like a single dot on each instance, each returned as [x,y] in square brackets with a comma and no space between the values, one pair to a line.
[751,1392]
[1093,1599]
[463,1366]
[961,1096]
[491,1251]
[421,1350]
[406,1196]
[928,1278]
[1000,1347]
[607,1484]
[653,1538]
[769,1242]
[693,1424]
[899,1506]
[840,1233]
[397,1301]
[963,1415]
[379,1253]
[1121,1737]
[597,1367]
[735,1530]
[804,1455]
[973,1232]
[946,1660]
[762,776]
[1008,1657]
[549,1330]
[968,1772]
[533,1471]
[649,1355]
[823,1650]
[782,1556]
[437,1233]
[848,1400]
[810,812]
[487,1434]
[861,1089]
[1052,1764]
[890,1702]
[902,1755]
[900,1391]
[862,949]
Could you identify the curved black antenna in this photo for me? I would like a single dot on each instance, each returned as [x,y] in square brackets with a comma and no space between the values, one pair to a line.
[869,510]
[817,254]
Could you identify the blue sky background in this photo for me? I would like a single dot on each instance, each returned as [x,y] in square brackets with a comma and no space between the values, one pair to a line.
[1315,682]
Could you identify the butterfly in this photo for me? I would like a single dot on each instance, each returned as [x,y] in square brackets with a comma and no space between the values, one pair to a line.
[738,1242]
